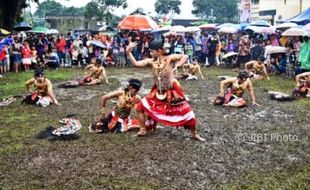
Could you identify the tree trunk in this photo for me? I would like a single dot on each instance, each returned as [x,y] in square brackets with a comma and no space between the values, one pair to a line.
[9,12]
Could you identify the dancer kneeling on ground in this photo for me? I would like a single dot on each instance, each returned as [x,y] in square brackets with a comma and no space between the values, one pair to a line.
[236,87]
[302,85]
[166,102]
[94,77]
[257,69]
[43,94]
[96,71]
[191,71]
[118,120]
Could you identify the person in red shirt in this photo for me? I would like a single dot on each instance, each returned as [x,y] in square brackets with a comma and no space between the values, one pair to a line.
[3,59]
[26,54]
[61,49]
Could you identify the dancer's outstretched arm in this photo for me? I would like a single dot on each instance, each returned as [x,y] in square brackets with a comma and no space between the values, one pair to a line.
[142,63]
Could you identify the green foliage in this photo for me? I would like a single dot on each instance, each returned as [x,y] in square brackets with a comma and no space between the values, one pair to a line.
[92,11]
[48,7]
[113,3]
[223,10]
[168,6]
[55,8]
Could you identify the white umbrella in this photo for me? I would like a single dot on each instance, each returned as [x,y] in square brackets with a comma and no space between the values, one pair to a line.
[276,49]
[286,25]
[261,29]
[52,31]
[307,28]
[208,26]
[98,44]
[178,28]
[164,28]
[228,30]
[229,54]
[295,31]
[193,29]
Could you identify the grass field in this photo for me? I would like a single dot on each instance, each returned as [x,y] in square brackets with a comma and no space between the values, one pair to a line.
[166,159]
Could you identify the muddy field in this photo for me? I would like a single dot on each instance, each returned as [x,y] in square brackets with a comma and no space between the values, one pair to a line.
[264,147]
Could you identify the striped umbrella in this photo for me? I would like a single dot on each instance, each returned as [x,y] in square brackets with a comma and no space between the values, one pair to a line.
[137,22]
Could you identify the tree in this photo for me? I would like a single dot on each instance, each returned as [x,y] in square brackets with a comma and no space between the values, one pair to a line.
[92,11]
[222,10]
[48,7]
[164,7]
[107,5]
[10,11]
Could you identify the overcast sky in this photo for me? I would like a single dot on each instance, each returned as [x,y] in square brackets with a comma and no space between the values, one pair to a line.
[147,5]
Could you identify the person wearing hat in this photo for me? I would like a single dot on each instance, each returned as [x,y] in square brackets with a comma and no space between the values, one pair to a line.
[118,119]
[257,69]
[236,87]
[166,102]
[43,89]
[96,72]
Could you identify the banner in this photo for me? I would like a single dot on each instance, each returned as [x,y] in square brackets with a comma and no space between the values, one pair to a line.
[245,12]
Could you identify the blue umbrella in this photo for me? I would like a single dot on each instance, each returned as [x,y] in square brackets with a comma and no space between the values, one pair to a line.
[23,26]
[242,26]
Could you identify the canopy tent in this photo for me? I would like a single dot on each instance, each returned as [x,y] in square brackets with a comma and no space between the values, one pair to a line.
[302,19]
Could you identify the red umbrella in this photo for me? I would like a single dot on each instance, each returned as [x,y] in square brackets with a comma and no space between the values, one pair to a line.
[137,22]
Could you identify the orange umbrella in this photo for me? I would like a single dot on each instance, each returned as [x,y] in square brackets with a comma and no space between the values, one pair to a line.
[137,22]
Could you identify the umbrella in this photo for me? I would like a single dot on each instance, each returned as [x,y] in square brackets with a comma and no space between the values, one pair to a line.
[105,28]
[307,28]
[267,30]
[4,32]
[23,26]
[178,29]
[228,30]
[258,29]
[169,33]
[229,54]
[98,44]
[40,29]
[260,23]
[295,31]
[137,22]
[208,26]
[164,28]
[225,25]
[276,49]
[242,25]
[53,31]
[193,29]
[286,25]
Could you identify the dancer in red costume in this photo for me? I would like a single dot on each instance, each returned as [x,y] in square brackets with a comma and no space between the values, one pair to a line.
[166,102]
